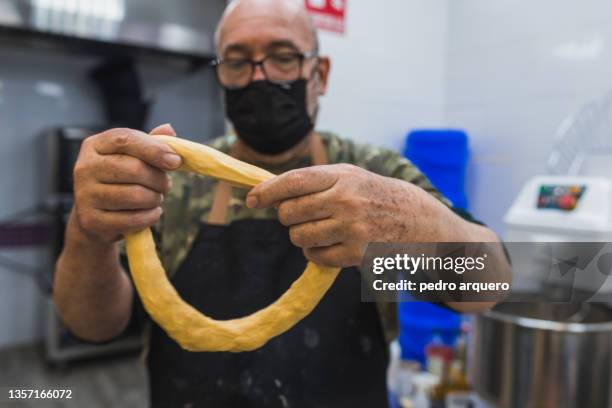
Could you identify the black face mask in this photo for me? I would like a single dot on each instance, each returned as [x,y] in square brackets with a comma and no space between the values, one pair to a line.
[270,118]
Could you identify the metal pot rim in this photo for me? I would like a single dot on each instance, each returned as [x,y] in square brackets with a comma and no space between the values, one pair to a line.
[540,324]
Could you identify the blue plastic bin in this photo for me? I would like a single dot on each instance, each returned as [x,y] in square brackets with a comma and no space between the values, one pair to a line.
[420,322]
[442,156]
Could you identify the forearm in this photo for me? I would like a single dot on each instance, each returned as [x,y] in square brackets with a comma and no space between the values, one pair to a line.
[449,227]
[440,224]
[92,292]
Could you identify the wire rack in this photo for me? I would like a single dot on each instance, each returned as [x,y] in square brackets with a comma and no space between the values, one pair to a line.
[584,134]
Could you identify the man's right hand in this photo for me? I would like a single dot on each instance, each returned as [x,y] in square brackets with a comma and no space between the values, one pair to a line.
[120,180]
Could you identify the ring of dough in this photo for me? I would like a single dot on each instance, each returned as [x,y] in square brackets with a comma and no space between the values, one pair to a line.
[192,330]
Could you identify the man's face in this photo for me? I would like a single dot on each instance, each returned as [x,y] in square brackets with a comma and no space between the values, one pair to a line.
[256,29]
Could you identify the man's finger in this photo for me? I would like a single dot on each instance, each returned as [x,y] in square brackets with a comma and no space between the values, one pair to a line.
[129,221]
[295,183]
[120,197]
[122,169]
[163,130]
[338,256]
[322,233]
[311,207]
[331,256]
[139,145]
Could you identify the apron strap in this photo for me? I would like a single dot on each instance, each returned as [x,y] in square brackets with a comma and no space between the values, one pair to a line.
[318,152]
[218,211]
[223,192]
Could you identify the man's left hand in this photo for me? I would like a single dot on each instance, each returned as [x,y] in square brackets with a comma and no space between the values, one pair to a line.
[334,211]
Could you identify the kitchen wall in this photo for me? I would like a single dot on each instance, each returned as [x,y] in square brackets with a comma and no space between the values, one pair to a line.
[515,70]
[37,91]
[387,70]
[40,89]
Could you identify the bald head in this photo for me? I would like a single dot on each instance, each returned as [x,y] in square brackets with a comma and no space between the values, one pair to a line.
[258,15]
[272,31]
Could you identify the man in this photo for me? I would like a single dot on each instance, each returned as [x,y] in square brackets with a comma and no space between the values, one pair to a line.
[231,252]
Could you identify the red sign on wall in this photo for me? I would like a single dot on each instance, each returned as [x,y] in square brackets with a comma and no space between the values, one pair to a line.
[328,14]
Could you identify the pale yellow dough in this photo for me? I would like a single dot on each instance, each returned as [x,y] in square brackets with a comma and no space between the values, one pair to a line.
[191,329]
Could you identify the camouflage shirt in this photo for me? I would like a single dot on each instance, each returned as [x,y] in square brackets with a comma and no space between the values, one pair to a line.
[191,198]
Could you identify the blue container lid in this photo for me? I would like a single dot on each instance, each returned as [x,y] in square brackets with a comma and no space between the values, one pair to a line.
[428,316]
[437,147]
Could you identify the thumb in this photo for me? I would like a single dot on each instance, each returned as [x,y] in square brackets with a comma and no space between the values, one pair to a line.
[163,130]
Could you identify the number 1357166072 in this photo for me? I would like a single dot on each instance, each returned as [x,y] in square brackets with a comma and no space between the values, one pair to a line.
[11,394]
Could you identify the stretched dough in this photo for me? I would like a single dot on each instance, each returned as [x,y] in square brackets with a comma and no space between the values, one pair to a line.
[192,330]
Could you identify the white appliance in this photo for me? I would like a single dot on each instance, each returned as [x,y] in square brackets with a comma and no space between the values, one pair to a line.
[562,209]
[574,202]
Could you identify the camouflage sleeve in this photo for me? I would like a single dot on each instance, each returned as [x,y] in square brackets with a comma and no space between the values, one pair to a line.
[381,161]
[175,222]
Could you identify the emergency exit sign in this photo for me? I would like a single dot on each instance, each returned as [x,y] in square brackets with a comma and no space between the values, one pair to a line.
[328,14]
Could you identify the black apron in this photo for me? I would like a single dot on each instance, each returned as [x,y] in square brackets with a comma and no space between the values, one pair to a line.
[335,357]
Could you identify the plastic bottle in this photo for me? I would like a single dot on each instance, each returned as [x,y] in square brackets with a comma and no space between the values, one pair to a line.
[438,354]
[459,391]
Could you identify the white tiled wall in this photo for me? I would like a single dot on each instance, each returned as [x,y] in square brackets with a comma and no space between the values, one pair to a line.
[387,70]
[515,70]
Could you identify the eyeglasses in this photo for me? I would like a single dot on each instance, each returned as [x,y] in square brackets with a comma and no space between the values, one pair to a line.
[281,68]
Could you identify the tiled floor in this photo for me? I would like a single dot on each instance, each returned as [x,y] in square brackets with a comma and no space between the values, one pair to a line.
[112,382]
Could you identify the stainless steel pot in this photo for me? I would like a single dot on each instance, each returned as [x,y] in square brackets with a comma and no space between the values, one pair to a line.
[536,355]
